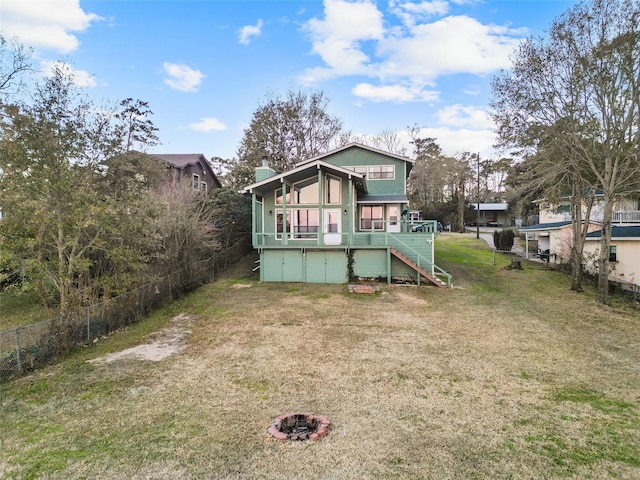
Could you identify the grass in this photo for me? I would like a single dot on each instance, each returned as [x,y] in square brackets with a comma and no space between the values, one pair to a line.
[20,308]
[509,375]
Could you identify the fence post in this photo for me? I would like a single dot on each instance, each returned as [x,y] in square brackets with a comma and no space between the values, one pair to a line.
[18,350]
[88,325]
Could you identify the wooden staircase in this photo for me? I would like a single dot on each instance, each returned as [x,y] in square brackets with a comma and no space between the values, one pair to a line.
[421,271]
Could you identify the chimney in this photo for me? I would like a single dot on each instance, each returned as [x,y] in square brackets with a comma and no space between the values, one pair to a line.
[264,172]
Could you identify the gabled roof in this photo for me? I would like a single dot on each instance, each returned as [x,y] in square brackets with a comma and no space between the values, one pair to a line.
[361,146]
[546,226]
[182,160]
[618,233]
[303,171]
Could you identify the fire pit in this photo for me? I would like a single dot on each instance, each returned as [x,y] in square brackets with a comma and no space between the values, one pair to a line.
[299,426]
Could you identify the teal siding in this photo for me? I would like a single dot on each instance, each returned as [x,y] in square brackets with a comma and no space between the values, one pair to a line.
[401,269]
[358,158]
[370,263]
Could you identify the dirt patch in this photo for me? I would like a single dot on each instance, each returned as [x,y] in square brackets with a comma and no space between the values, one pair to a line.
[163,344]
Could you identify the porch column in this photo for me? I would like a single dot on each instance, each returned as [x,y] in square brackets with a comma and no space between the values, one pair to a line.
[254,223]
[350,226]
[320,236]
[285,232]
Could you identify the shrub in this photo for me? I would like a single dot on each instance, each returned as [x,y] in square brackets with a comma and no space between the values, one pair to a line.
[503,240]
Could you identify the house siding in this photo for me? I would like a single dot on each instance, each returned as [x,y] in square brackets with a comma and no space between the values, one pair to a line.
[356,158]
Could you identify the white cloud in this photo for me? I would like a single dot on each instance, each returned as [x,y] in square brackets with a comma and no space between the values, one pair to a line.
[353,38]
[465,116]
[207,124]
[454,141]
[394,93]
[81,78]
[45,24]
[412,12]
[249,31]
[455,44]
[338,37]
[182,77]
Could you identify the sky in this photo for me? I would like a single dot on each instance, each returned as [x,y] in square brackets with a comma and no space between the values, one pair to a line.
[205,66]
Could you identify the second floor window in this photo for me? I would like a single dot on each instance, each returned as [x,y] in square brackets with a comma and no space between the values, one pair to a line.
[196,181]
[377,172]
[304,192]
[332,190]
[381,172]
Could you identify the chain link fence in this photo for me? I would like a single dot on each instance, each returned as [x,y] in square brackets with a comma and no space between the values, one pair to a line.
[28,347]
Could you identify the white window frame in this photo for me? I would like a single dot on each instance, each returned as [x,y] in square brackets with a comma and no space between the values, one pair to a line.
[374,172]
[195,181]
[293,224]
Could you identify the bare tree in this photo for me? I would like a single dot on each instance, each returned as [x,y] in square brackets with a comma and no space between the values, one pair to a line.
[284,131]
[14,62]
[577,93]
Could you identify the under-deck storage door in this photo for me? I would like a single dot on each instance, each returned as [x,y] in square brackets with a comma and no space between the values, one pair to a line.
[326,267]
[292,266]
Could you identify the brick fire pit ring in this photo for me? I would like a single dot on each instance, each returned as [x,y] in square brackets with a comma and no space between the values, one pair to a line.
[299,426]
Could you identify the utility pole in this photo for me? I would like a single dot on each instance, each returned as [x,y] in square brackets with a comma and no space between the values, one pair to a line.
[478,197]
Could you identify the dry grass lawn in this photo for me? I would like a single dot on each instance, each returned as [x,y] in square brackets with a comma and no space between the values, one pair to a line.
[509,375]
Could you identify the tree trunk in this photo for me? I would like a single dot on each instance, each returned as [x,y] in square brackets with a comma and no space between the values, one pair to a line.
[605,242]
[461,198]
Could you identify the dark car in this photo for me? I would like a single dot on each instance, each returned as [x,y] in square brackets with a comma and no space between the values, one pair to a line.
[543,255]
[422,227]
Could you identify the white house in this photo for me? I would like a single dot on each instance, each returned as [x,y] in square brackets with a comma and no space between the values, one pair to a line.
[554,238]
[624,255]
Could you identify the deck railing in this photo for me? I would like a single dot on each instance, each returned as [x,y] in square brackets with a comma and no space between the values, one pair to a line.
[628,216]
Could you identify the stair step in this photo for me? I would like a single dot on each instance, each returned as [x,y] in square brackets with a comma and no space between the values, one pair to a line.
[421,271]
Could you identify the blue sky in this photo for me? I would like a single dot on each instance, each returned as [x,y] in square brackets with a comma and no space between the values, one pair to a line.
[204,66]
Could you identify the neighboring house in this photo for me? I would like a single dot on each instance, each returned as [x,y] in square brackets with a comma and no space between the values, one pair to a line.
[624,255]
[192,166]
[625,211]
[554,233]
[491,214]
[555,239]
[340,215]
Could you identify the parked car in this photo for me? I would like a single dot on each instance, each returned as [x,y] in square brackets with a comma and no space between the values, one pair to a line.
[543,255]
[422,227]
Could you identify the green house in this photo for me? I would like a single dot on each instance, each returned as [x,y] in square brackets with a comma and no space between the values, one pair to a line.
[339,215]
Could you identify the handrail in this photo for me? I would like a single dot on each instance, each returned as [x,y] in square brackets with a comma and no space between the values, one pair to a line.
[442,272]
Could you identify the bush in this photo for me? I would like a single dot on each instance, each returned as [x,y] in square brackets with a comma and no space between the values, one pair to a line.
[503,240]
